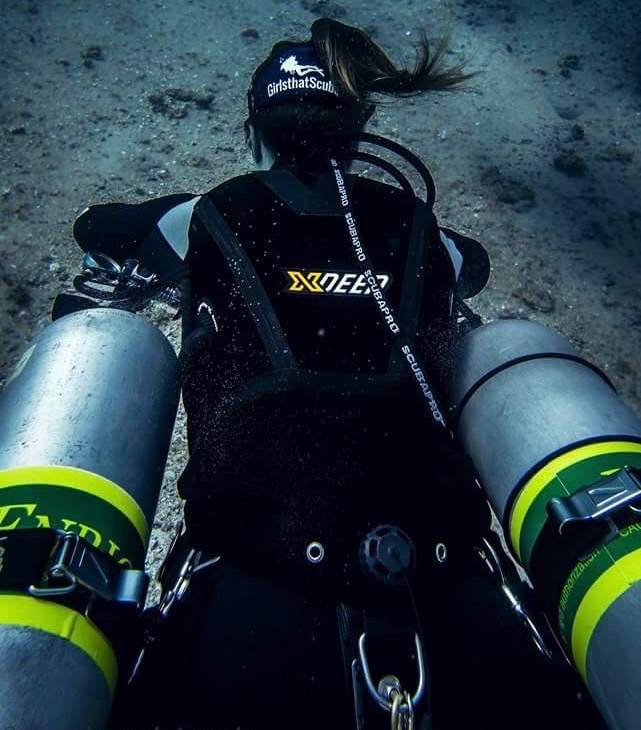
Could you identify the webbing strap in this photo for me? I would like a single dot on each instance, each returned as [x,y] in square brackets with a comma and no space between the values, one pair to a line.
[413,281]
[258,302]
[303,382]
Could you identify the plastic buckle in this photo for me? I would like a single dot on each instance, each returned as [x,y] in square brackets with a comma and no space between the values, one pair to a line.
[600,503]
[74,564]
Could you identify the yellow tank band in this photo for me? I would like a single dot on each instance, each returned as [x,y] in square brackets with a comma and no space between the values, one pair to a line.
[548,473]
[67,624]
[621,576]
[84,481]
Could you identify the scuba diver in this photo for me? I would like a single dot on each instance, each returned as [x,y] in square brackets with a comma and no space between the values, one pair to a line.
[336,565]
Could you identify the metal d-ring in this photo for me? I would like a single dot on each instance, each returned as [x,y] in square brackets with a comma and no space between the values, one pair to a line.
[382,701]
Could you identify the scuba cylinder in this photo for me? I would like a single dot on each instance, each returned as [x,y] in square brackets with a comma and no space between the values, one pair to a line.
[558,453]
[86,423]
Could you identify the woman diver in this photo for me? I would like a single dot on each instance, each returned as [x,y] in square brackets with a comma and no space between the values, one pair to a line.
[332,528]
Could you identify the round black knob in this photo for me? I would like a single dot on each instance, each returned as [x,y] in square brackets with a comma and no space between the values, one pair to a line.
[387,553]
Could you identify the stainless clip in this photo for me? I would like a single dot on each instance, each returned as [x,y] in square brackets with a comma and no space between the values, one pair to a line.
[385,695]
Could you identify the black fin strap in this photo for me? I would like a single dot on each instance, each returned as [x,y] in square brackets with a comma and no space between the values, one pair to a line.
[413,282]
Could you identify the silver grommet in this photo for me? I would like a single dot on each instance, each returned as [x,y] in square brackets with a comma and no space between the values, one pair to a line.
[441,552]
[315,552]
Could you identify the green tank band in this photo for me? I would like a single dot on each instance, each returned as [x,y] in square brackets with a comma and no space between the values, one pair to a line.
[593,587]
[75,500]
[562,477]
[589,571]
[67,624]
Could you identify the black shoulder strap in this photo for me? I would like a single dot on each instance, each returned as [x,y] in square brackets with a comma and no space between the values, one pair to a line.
[413,281]
[303,200]
[321,199]
[260,306]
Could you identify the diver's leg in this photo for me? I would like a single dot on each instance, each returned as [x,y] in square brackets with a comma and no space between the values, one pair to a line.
[241,651]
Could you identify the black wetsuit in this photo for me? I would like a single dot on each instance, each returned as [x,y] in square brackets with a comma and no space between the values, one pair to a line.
[306,426]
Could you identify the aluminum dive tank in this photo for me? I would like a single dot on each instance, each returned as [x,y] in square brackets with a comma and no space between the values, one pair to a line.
[86,421]
[542,423]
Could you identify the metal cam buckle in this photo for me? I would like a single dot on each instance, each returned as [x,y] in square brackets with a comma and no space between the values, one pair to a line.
[74,563]
[599,502]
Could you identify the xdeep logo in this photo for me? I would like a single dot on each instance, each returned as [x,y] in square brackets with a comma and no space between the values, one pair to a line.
[347,283]
[300,77]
